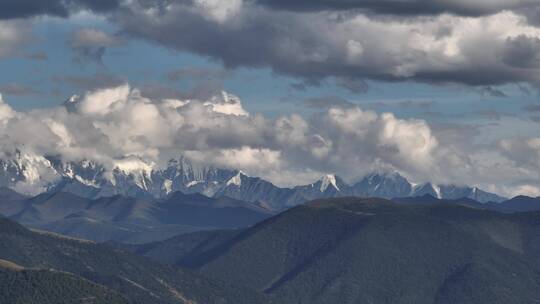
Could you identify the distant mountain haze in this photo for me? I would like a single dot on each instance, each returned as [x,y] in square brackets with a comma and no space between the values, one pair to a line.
[127,219]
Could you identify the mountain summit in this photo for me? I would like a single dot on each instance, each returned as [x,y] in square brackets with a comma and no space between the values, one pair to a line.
[137,178]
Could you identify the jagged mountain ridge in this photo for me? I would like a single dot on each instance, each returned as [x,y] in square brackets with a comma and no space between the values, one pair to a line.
[136,178]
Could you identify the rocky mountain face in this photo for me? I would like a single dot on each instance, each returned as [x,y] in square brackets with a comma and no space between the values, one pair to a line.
[136,178]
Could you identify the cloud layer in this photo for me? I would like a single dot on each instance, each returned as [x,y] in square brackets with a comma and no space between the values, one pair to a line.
[115,124]
[477,43]
[12,9]
[493,46]
[406,7]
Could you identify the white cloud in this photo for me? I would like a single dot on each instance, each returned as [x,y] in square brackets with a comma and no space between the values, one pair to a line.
[6,112]
[103,101]
[219,10]
[120,128]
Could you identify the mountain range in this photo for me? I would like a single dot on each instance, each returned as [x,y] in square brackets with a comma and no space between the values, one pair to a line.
[133,177]
[138,220]
[127,219]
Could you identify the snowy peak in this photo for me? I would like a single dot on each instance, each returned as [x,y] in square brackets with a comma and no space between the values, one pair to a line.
[328,180]
[138,178]
[236,180]
[427,188]
[227,103]
[383,184]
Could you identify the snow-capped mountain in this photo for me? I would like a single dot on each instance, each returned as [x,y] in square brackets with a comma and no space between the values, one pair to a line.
[327,186]
[385,185]
[134,177]
[393,185]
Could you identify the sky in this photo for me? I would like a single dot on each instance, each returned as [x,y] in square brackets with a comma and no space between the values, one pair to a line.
[440,90]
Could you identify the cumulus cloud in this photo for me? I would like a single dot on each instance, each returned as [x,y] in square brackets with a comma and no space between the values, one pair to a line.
[118,126]
[110,124]
[492,49]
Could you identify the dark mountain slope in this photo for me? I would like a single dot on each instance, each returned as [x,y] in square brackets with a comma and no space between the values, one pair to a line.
[125,219]
[11,202]
[199,210]
[136,278]
[373,251]
[519,204]
[184,249]
[428,199]
[514,205]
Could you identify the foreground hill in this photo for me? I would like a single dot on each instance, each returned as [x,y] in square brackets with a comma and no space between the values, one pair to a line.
[515,205]
[80,267]
[372,251]
[40,286]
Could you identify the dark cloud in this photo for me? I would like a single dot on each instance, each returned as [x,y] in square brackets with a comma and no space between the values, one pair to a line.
[16,89]
[350,47]
[424,104]
[535,118]
[492,92]
[421,104]
[299,86]
[200,90]
[403,7]
[532,108]
[327,102]
[489,114]
[39,56]
[352,84]
[522,52]
[525,91]
[198,73]
[90,45]
[90,82]
[11,9]
[90,55]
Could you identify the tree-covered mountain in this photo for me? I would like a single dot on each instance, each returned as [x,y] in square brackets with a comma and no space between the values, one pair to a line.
[351,250]
[55,261]
[43,286]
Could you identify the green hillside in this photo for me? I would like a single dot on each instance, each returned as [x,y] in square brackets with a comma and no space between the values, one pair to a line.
[26,286]
[136,278]
[373,251]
